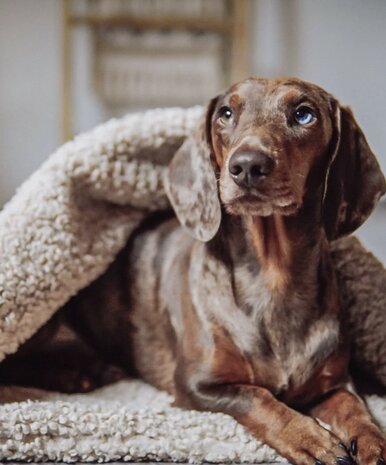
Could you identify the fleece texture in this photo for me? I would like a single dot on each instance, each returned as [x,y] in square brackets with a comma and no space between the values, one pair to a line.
[69,219]
[60,231]
[127,421]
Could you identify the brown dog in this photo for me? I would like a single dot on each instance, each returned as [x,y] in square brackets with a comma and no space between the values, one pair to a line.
[242,315]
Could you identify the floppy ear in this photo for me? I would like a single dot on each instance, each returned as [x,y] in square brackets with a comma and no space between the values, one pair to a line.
[354,181]
[191,183]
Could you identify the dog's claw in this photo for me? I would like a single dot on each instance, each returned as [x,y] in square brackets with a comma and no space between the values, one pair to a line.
[344,447]
[345,461]
[353,447]
[319,462]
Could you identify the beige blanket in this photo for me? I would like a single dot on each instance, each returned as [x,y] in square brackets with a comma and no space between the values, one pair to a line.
[129,421]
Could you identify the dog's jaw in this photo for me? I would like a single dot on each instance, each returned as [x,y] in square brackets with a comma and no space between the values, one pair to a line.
[246,206]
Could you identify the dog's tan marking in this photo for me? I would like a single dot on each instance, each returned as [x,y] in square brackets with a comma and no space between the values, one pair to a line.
[273,249]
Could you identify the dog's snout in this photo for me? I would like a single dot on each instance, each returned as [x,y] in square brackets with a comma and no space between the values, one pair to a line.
[246,168]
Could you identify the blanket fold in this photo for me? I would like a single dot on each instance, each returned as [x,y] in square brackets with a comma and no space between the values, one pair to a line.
[67,222]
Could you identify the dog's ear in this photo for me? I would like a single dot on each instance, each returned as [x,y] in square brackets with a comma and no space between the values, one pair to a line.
[191,182]
[354,181]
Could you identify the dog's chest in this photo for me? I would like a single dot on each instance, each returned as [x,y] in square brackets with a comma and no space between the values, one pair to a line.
[277,346]
[296,372]
[306,365]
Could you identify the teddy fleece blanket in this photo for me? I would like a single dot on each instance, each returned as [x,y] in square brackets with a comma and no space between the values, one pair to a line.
[61,230]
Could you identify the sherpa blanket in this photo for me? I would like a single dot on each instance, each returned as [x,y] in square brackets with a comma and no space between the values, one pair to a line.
[61,230]
[127,421]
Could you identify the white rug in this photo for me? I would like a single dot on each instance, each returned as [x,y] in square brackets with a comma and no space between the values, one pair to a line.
[128,421]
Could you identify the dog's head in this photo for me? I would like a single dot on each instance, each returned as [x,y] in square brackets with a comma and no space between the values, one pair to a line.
[262,147]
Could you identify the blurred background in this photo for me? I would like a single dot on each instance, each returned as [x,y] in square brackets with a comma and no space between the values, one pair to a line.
[67,65]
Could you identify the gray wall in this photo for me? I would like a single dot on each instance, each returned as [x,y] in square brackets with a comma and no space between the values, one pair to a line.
[340,44]
[29,87]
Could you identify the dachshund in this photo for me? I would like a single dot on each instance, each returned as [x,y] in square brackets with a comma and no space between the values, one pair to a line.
[234,306]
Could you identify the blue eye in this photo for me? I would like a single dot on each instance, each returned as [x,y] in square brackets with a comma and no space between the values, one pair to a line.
[304,115]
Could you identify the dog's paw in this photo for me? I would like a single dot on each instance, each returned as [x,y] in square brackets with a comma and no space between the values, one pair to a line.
[369,447]
[314,445]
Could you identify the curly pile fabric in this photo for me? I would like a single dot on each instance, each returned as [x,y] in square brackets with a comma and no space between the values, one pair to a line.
[128,421]
[69,219]
[61,230]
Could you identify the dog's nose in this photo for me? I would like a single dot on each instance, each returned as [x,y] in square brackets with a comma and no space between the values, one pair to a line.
[246,168]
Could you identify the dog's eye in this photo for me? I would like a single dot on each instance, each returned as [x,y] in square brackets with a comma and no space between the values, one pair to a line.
[304,115]
[225,114]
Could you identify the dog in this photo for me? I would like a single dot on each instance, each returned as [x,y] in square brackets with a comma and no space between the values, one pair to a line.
[234,306]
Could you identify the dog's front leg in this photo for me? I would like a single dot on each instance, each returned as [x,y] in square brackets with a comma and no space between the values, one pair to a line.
[296,437]
[349,417]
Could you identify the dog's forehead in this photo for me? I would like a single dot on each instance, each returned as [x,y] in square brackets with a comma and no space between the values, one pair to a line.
[273,92]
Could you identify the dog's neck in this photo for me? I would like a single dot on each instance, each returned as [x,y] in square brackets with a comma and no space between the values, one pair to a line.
[273,245]
[281,275]
[289,251]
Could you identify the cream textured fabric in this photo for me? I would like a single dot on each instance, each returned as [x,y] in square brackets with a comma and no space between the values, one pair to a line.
[69,219]
[128,421]
[61,230]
